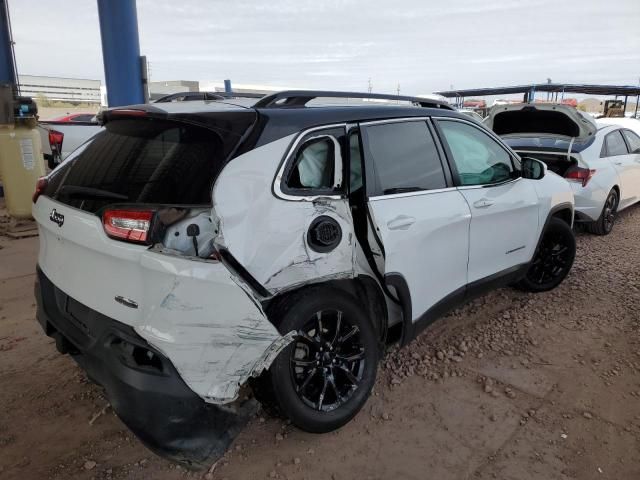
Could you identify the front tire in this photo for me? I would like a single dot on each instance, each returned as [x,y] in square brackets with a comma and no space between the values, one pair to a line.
[323,378]
[553,258]
[607,219]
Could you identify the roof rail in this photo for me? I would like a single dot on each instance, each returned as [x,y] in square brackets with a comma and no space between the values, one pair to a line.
[299,98]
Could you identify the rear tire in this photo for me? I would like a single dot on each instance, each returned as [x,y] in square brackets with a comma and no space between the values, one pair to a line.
[553,258]
[607,219]
[323,378]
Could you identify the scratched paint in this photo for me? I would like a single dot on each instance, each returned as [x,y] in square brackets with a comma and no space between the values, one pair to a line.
[216,336]
[268,235]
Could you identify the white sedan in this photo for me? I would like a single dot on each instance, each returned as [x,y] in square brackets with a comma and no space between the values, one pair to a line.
[602,162]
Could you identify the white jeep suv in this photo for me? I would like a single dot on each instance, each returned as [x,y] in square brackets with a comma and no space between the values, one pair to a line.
[192,248]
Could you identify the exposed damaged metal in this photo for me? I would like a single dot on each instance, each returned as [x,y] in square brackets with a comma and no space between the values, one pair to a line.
[283,259]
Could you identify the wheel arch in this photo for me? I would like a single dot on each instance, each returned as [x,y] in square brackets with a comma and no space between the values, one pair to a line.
[564,211]
[617,189]
[363,288]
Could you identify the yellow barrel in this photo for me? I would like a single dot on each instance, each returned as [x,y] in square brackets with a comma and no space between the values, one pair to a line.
[21,164]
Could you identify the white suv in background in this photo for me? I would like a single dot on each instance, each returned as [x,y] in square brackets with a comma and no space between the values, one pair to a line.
[602,162]
[190,249]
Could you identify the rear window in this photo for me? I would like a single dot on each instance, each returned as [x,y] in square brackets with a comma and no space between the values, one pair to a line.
[141,161]
[614,144]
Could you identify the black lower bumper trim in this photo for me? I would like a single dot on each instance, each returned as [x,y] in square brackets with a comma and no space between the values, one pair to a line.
[143,386]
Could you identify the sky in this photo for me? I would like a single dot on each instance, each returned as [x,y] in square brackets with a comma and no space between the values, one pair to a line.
[421,45]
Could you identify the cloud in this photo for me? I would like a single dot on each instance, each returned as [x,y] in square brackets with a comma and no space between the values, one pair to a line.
[340,44]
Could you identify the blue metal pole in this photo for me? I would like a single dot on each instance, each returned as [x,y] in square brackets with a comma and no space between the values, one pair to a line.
[121,52]
[7,63]
[227,86]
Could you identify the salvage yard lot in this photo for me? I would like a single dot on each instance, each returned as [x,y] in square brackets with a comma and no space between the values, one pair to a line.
[512,386]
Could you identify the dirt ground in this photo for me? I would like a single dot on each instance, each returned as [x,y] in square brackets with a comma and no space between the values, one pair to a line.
[512,386]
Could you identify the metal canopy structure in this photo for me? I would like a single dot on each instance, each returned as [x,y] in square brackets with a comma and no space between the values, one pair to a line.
[552,90]
[617,90]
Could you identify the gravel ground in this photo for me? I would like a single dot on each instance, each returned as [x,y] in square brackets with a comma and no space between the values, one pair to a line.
[511,386]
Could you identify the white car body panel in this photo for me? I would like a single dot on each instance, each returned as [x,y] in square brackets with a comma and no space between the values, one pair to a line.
[195,312]
[426,239]
[268,235]
[510,207]
[553,191]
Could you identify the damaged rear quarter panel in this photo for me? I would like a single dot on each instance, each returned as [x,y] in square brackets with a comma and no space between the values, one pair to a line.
[208,324]
[268,235]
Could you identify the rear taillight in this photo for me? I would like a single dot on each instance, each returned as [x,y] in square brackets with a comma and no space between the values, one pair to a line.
[128,112]
[128,225]
[579,174]
[41,184]
[55,141]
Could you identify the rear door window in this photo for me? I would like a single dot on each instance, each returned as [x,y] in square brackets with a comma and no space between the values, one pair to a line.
[633,140]
[614,144]
[141,162]
[401,157]
[316,166]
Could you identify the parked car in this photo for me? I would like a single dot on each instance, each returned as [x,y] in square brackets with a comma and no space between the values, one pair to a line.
[632,124]
[76,118]
[60,138]
[601,163]
[189,250]
[471,113]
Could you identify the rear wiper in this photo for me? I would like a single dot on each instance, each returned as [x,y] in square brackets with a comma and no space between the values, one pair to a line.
[90,192]
[390,191]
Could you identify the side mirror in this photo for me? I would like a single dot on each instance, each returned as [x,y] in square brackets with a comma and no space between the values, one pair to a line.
[533,169]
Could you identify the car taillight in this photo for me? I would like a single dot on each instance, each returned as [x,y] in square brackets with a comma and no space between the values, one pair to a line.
[128,112]
[579,174]
[41,184]
[128,225]
[55,141]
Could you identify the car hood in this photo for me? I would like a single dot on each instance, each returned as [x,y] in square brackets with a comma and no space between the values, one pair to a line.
[534,120]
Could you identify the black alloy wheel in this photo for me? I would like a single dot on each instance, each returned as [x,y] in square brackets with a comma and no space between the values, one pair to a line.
[325,375]
[604,224]
[553,258]
[327,361]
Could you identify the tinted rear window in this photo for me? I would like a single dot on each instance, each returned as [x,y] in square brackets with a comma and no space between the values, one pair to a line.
[141,161]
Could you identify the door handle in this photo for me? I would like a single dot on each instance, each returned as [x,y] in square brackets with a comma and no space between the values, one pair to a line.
[483,203]
[401,222]
[617,163]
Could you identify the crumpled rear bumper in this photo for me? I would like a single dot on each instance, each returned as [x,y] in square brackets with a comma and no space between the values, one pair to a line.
[143,386]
